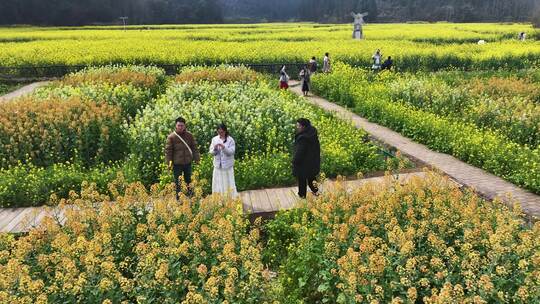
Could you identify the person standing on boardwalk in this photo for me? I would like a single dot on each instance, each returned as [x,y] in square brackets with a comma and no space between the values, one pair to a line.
[313,65]
[305,77]
[283,79]
[222,148]
[180,152]
[326,63]
[307,157]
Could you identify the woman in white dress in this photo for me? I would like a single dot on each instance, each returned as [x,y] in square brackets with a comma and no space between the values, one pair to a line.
[223,147]
[377,60]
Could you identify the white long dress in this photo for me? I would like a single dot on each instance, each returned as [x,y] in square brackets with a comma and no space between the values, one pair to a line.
[223,175]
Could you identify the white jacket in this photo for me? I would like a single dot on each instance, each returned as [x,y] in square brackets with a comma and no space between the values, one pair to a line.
[223,158]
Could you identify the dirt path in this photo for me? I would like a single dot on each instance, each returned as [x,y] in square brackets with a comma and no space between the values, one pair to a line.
[23,91]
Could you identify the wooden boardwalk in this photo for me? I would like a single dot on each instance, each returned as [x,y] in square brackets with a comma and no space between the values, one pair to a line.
[255,202]
[484,183]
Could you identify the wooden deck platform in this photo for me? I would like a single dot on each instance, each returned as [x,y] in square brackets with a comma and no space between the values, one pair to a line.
[262,202]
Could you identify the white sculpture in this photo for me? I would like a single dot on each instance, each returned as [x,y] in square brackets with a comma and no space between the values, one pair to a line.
[358,33]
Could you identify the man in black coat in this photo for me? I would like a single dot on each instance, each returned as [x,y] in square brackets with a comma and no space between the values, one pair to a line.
[307,156]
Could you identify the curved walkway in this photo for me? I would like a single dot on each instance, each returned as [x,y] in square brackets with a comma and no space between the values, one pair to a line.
[23,91]
[485,184]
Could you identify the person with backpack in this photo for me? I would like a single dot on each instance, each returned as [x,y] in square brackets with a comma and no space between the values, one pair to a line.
[313,65]
[305,77]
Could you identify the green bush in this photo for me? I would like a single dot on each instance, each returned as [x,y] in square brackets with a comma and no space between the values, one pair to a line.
[28,185]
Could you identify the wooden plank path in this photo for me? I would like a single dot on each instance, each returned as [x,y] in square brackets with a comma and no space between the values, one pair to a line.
[484,183]
[255,202]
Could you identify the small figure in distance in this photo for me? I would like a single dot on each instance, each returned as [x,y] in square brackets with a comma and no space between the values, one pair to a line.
[522,36]
[283,79]
[387,64]
[313,65]
[305,77]
[326,63]
[377,57]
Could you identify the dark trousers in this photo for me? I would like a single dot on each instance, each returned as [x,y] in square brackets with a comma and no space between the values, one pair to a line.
[184,170]
[303,182]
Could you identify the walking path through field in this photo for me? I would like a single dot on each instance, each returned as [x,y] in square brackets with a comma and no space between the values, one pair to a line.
[23,91]
[485,184]
[255,202]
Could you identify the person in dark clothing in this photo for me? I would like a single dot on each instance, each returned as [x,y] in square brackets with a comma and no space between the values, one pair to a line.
[313,65]
[387,64]
[305,77]
[307,156]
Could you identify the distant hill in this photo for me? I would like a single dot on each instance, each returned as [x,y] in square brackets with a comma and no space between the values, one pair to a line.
[381,10]
[83,12]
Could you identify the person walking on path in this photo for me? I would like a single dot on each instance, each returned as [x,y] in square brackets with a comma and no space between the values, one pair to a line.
[377,57]
[313,65]
[180,152]
[283,79]
[326,63]
[305,77]
[222,148]
[306,161]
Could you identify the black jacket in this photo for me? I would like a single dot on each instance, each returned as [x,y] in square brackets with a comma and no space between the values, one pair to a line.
[307,153]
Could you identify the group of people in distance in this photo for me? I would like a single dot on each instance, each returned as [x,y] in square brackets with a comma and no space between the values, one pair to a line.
[305,73]
[377,59]
[181,152]
[311,68]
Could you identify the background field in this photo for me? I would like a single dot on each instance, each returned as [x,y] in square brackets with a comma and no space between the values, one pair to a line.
[414,46]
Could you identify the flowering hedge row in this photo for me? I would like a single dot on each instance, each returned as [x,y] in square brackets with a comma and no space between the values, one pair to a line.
[222,73]
[389,242]
[133,251]
[424,241]
[486,149]
[507,105]
[148,77]
[129,98]
[53,131]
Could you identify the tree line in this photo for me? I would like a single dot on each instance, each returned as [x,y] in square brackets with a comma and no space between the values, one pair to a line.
[83,12]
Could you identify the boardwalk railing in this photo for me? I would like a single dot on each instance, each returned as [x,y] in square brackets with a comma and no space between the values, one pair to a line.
[55,71]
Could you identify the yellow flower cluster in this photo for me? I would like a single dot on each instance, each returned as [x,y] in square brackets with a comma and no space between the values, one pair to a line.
[141,248]
[53,130]
[423,240]
[225,74]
